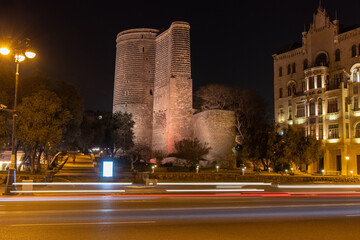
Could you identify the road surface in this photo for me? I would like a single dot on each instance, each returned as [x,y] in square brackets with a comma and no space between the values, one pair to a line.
[169,217]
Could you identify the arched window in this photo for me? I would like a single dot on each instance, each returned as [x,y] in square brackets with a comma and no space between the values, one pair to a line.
[294,68]
[312,108]
[353,51]
[337,55]
[320,106]
[280,71]
[289,69]
[357,130]
[321,60]
[305,64]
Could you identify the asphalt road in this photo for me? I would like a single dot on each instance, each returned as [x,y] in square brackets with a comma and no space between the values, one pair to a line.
[143,217]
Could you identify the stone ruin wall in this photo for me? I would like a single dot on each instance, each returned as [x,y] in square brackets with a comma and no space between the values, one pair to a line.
[134,79]
[217,129]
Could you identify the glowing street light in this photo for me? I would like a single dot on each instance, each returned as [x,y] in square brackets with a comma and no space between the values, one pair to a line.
[347,165]
[20,50]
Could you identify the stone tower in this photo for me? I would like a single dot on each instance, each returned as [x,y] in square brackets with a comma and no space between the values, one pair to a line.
[134,79]
[172,88]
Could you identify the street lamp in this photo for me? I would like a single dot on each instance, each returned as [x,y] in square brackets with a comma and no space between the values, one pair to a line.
[347,165]
[20,50]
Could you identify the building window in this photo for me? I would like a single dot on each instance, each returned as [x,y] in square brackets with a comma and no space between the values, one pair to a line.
[319,106]
[346,104]
[290,113]
[333,131]
[332,105]
[303,86]
[311,82]
[313,130]
[294,68]
[355,90]
[321,60]
[357,131]
[337,55]
[151,92]
[356,103]
[321,132]
[356,75]
[300,110]
[280,71]
[289,69]
[347,130]
[318,81]
[305,64]
[312,108]
[289,90]
[281,115]
[280,92]
[353,51]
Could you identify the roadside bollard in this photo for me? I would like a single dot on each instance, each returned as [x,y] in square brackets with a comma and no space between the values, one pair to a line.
[243,171]
[197,169]
[217,168]
[351,172]
[152,169]
[323,172]
[286,172]
[269,169]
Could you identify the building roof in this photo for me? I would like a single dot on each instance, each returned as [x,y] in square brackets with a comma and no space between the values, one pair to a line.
[348,28]
[288,47]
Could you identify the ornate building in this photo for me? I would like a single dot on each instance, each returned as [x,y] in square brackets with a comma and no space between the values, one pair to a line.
[153,82]
[316,87]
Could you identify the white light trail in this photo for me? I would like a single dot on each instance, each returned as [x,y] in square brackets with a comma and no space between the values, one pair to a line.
[214,190]
[215,183]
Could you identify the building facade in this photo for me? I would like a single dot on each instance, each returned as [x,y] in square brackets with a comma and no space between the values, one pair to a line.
[316,87]
[153,82]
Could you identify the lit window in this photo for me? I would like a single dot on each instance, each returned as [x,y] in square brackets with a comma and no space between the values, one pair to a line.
[333,131]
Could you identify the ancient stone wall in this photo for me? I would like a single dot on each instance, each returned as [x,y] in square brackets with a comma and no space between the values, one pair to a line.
[217,129]
[134,79]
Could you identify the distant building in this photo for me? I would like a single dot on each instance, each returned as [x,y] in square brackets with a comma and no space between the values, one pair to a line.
[316,87]
[153,82]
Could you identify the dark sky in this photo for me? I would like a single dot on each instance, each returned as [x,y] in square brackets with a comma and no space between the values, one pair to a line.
[232,42]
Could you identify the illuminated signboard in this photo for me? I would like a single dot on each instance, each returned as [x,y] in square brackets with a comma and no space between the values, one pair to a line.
[108,167]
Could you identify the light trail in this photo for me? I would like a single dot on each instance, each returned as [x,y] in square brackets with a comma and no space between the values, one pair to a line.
[318,186]
[213,183]
[69,191]
[75,183]
[214,190]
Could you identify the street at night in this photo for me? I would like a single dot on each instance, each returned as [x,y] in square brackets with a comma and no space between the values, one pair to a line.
[142,217]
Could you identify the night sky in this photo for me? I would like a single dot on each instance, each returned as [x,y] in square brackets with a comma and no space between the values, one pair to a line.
[231,42]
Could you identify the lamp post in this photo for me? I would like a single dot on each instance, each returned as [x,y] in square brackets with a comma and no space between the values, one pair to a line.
[347,165]
[20,51]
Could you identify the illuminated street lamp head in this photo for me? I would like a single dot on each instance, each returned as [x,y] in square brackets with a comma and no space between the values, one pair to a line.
[19,58]
[4,51]
[30,54]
